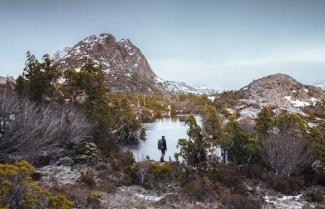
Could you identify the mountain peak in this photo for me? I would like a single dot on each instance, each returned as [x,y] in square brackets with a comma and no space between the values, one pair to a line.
[100,38]
[126,67]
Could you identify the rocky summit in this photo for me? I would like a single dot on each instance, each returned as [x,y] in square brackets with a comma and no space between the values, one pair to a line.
[281,90]
[126,67]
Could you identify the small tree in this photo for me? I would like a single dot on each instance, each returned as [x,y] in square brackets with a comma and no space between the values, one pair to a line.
[193,149]
[213,130]
[318,142]
[264,122]
[235,142]
[90,83]
[212,124]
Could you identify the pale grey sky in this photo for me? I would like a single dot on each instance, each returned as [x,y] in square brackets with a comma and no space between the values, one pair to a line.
[224,44]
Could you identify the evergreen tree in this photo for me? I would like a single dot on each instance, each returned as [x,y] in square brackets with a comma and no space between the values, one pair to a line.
[235,142]
[264,121]
[212,125]
[90,83]
[39,80]
[318,142]
[193,149]
[213,130]
[292,121]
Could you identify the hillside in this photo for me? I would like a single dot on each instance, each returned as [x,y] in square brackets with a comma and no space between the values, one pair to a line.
[279,91]
[283,91]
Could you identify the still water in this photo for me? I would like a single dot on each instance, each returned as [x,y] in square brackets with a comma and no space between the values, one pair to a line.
[172,129]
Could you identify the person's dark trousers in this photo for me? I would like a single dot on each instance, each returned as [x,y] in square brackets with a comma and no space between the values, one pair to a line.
[163,152]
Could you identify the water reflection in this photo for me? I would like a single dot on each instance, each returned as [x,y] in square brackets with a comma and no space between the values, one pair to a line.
[172,128]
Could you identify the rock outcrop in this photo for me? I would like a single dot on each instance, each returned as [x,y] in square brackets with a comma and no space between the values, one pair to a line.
[283,91]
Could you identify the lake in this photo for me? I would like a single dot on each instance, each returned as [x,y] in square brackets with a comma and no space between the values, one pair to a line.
[172,129]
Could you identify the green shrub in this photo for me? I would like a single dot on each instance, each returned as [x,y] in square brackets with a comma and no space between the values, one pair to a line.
[18,191]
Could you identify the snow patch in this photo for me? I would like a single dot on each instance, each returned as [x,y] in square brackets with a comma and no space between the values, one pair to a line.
[292,202]
[297,103]
[314,100]
[250,112]
[212,98]
[149,197]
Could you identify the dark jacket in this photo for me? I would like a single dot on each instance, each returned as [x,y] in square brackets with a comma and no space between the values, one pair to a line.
[164,144]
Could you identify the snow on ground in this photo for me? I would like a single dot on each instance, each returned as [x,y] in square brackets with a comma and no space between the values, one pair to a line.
[314,100]
[288,202]
[297,103]
[249,112]
[132,197]
[212,98]
[311,125]
[230,110]
[153,198]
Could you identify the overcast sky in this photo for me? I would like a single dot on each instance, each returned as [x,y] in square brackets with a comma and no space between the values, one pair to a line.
[224,44]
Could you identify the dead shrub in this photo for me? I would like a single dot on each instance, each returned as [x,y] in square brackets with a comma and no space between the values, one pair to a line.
[39,133]
[88,178]
[286,146]
[151,174]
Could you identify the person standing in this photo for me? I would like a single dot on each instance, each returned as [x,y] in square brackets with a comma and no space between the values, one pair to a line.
[162,146]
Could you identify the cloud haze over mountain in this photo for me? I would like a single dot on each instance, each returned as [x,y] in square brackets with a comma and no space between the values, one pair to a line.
[222,44]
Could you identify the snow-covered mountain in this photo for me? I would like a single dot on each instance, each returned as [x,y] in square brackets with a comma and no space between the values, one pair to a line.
[181,87]
[126,67]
